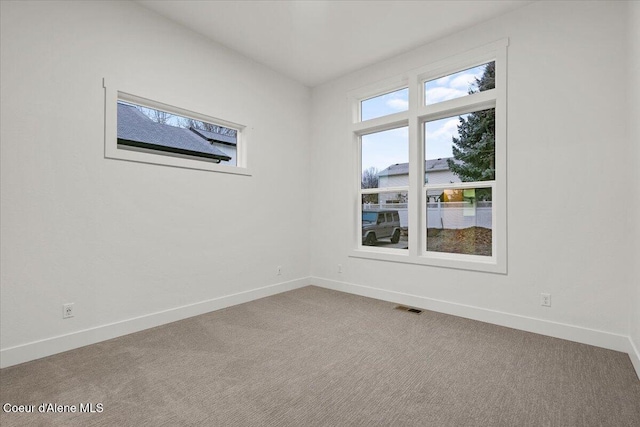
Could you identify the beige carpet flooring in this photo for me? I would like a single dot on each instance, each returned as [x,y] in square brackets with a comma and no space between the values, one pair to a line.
[316,357]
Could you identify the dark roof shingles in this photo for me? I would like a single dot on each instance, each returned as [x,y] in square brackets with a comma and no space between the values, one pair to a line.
[133,125]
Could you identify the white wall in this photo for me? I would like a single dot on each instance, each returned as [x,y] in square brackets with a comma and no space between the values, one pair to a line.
[121,239]
[566,141]
[634,139]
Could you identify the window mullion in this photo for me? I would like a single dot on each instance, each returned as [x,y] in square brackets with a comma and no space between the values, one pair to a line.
[458,106]
[383,190]
[380,124]
[461,185]
[416,166]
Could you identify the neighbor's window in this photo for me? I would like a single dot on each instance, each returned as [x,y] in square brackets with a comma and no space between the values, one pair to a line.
[457,213]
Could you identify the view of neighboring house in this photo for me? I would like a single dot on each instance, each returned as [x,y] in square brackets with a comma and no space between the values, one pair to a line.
[436,172]
[452,214]
[136,131]
[225,143]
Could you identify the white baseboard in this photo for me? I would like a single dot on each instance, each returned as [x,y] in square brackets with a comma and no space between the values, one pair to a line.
[543,327]
[634,355]
[47,347]
[35,350]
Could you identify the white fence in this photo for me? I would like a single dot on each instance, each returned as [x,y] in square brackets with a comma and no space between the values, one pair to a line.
[445,215]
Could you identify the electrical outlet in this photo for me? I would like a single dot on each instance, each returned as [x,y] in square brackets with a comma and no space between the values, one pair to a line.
[339,268]
[279,270]
[67,311]
[545,300]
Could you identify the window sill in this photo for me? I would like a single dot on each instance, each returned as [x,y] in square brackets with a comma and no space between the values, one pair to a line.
[458,262]
[165,159]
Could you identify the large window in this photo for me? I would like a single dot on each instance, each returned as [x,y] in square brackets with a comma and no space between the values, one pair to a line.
[431,151]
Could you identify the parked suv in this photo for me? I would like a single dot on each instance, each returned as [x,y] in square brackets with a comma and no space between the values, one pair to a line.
[380,224]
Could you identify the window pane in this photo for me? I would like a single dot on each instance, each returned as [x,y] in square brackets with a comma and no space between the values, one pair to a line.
[460,148]
[460,221]
[142,128]
[385,158]
[386,104]
[385,221]
[460,84]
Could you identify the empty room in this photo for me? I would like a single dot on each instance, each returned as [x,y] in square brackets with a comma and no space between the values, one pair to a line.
[320,213]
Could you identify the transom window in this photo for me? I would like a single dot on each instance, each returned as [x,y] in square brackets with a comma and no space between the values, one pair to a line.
[142,130]
[431,162]
[385,104]
[159,132]
[459,84]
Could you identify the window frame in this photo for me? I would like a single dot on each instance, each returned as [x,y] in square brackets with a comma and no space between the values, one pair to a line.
[417,114]
[117,91]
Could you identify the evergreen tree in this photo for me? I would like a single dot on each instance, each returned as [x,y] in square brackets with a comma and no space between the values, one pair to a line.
[474,149]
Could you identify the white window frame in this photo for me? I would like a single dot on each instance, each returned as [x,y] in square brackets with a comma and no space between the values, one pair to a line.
[117,91]
[415,117]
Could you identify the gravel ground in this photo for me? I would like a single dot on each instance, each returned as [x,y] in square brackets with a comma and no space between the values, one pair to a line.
[472,241]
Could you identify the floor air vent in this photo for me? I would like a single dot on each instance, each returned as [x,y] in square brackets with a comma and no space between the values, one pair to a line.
[409,309]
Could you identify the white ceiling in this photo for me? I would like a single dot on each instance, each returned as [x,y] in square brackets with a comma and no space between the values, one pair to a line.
[315,41]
